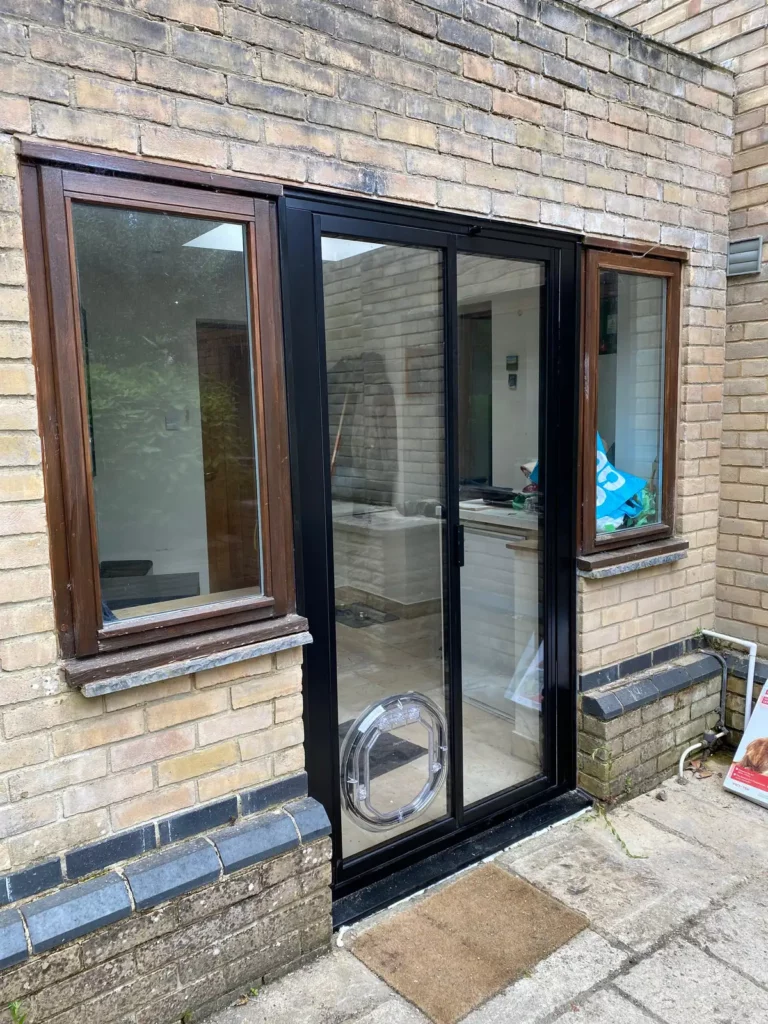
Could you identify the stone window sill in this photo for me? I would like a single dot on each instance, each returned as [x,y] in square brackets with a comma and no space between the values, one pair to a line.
[642,556]
[124,670]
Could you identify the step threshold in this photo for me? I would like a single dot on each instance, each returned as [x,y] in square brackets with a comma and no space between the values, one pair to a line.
[433,868]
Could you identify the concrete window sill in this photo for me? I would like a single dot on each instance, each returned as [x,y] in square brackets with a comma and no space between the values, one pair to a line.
[125,670]
[642,556]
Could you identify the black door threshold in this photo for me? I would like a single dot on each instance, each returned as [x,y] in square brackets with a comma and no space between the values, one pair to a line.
[355,905]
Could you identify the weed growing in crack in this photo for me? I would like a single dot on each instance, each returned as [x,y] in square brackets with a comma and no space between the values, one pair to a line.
[18,1016]
[603,813]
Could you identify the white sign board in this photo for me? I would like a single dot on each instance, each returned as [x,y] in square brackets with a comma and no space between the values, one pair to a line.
[748,775]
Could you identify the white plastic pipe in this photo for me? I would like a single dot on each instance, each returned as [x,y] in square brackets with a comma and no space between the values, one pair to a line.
[752,648]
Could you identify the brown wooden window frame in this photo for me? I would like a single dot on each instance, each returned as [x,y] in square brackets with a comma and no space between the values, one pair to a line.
[634,262]
[53,178]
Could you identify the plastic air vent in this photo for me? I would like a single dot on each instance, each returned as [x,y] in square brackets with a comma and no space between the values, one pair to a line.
[744,256]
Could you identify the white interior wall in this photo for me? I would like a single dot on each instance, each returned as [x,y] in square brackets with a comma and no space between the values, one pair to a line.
[515,326]
[638,408]
[513,291]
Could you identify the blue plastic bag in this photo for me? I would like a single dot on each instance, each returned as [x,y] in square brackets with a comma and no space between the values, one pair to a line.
[615,489]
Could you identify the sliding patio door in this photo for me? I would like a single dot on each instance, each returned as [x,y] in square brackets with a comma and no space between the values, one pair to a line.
[431,443]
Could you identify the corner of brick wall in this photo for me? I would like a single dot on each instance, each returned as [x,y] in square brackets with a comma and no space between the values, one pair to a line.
[188,957]
[733,33]
[633,753]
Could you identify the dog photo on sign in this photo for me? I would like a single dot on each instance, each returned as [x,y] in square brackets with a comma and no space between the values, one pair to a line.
[756,756]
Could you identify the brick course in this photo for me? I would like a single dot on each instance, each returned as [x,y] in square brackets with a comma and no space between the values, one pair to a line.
[105,764]
[525,112]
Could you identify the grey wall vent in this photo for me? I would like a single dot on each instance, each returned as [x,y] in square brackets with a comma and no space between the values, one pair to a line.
[744,256]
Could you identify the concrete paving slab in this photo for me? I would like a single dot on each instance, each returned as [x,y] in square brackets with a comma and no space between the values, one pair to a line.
[636,899]
[738,933]
[680,983]
[394,1011]
[696,851]
[739,838]
[333,990]
[711,791]
[604,1007]
[574,968]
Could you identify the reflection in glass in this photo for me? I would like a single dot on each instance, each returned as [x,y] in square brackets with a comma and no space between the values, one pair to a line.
[384,354]
[164,314]
[500,509]
[630,401]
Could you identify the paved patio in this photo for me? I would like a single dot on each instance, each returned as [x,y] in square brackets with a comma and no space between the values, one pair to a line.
[676,891]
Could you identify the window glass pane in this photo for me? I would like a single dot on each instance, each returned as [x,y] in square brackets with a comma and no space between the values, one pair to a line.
[630,401]
[164,313]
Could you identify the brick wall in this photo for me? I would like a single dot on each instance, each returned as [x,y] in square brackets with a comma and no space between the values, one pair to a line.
[734,33]
[75,769]
[634,752]
[383,321]
[189,955]
[736,696]
[719,29]
[523,111]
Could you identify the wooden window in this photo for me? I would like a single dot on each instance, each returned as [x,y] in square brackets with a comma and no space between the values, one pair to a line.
[158,348]
[630,399]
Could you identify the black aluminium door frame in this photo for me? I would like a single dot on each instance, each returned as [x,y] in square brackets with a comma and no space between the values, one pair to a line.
[303,217]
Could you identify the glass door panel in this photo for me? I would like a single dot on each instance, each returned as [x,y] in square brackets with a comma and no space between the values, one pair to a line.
[501,516]
[385,376]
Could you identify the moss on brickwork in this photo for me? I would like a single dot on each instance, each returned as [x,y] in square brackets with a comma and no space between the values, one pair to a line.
[633,753]
[185,958]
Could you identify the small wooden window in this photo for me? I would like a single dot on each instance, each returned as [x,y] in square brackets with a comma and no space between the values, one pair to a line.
[630,399]
[159,357]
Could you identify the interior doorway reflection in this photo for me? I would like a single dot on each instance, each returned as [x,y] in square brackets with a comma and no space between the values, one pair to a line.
[501,506]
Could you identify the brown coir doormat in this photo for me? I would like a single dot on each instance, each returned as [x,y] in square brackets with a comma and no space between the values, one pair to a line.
[452,951]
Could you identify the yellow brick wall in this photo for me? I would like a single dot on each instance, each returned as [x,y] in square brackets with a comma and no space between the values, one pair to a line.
[734,33]
[75,769]
[622,616]
[522,111]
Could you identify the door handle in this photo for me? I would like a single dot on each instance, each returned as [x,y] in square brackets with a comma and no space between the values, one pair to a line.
[459,547]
